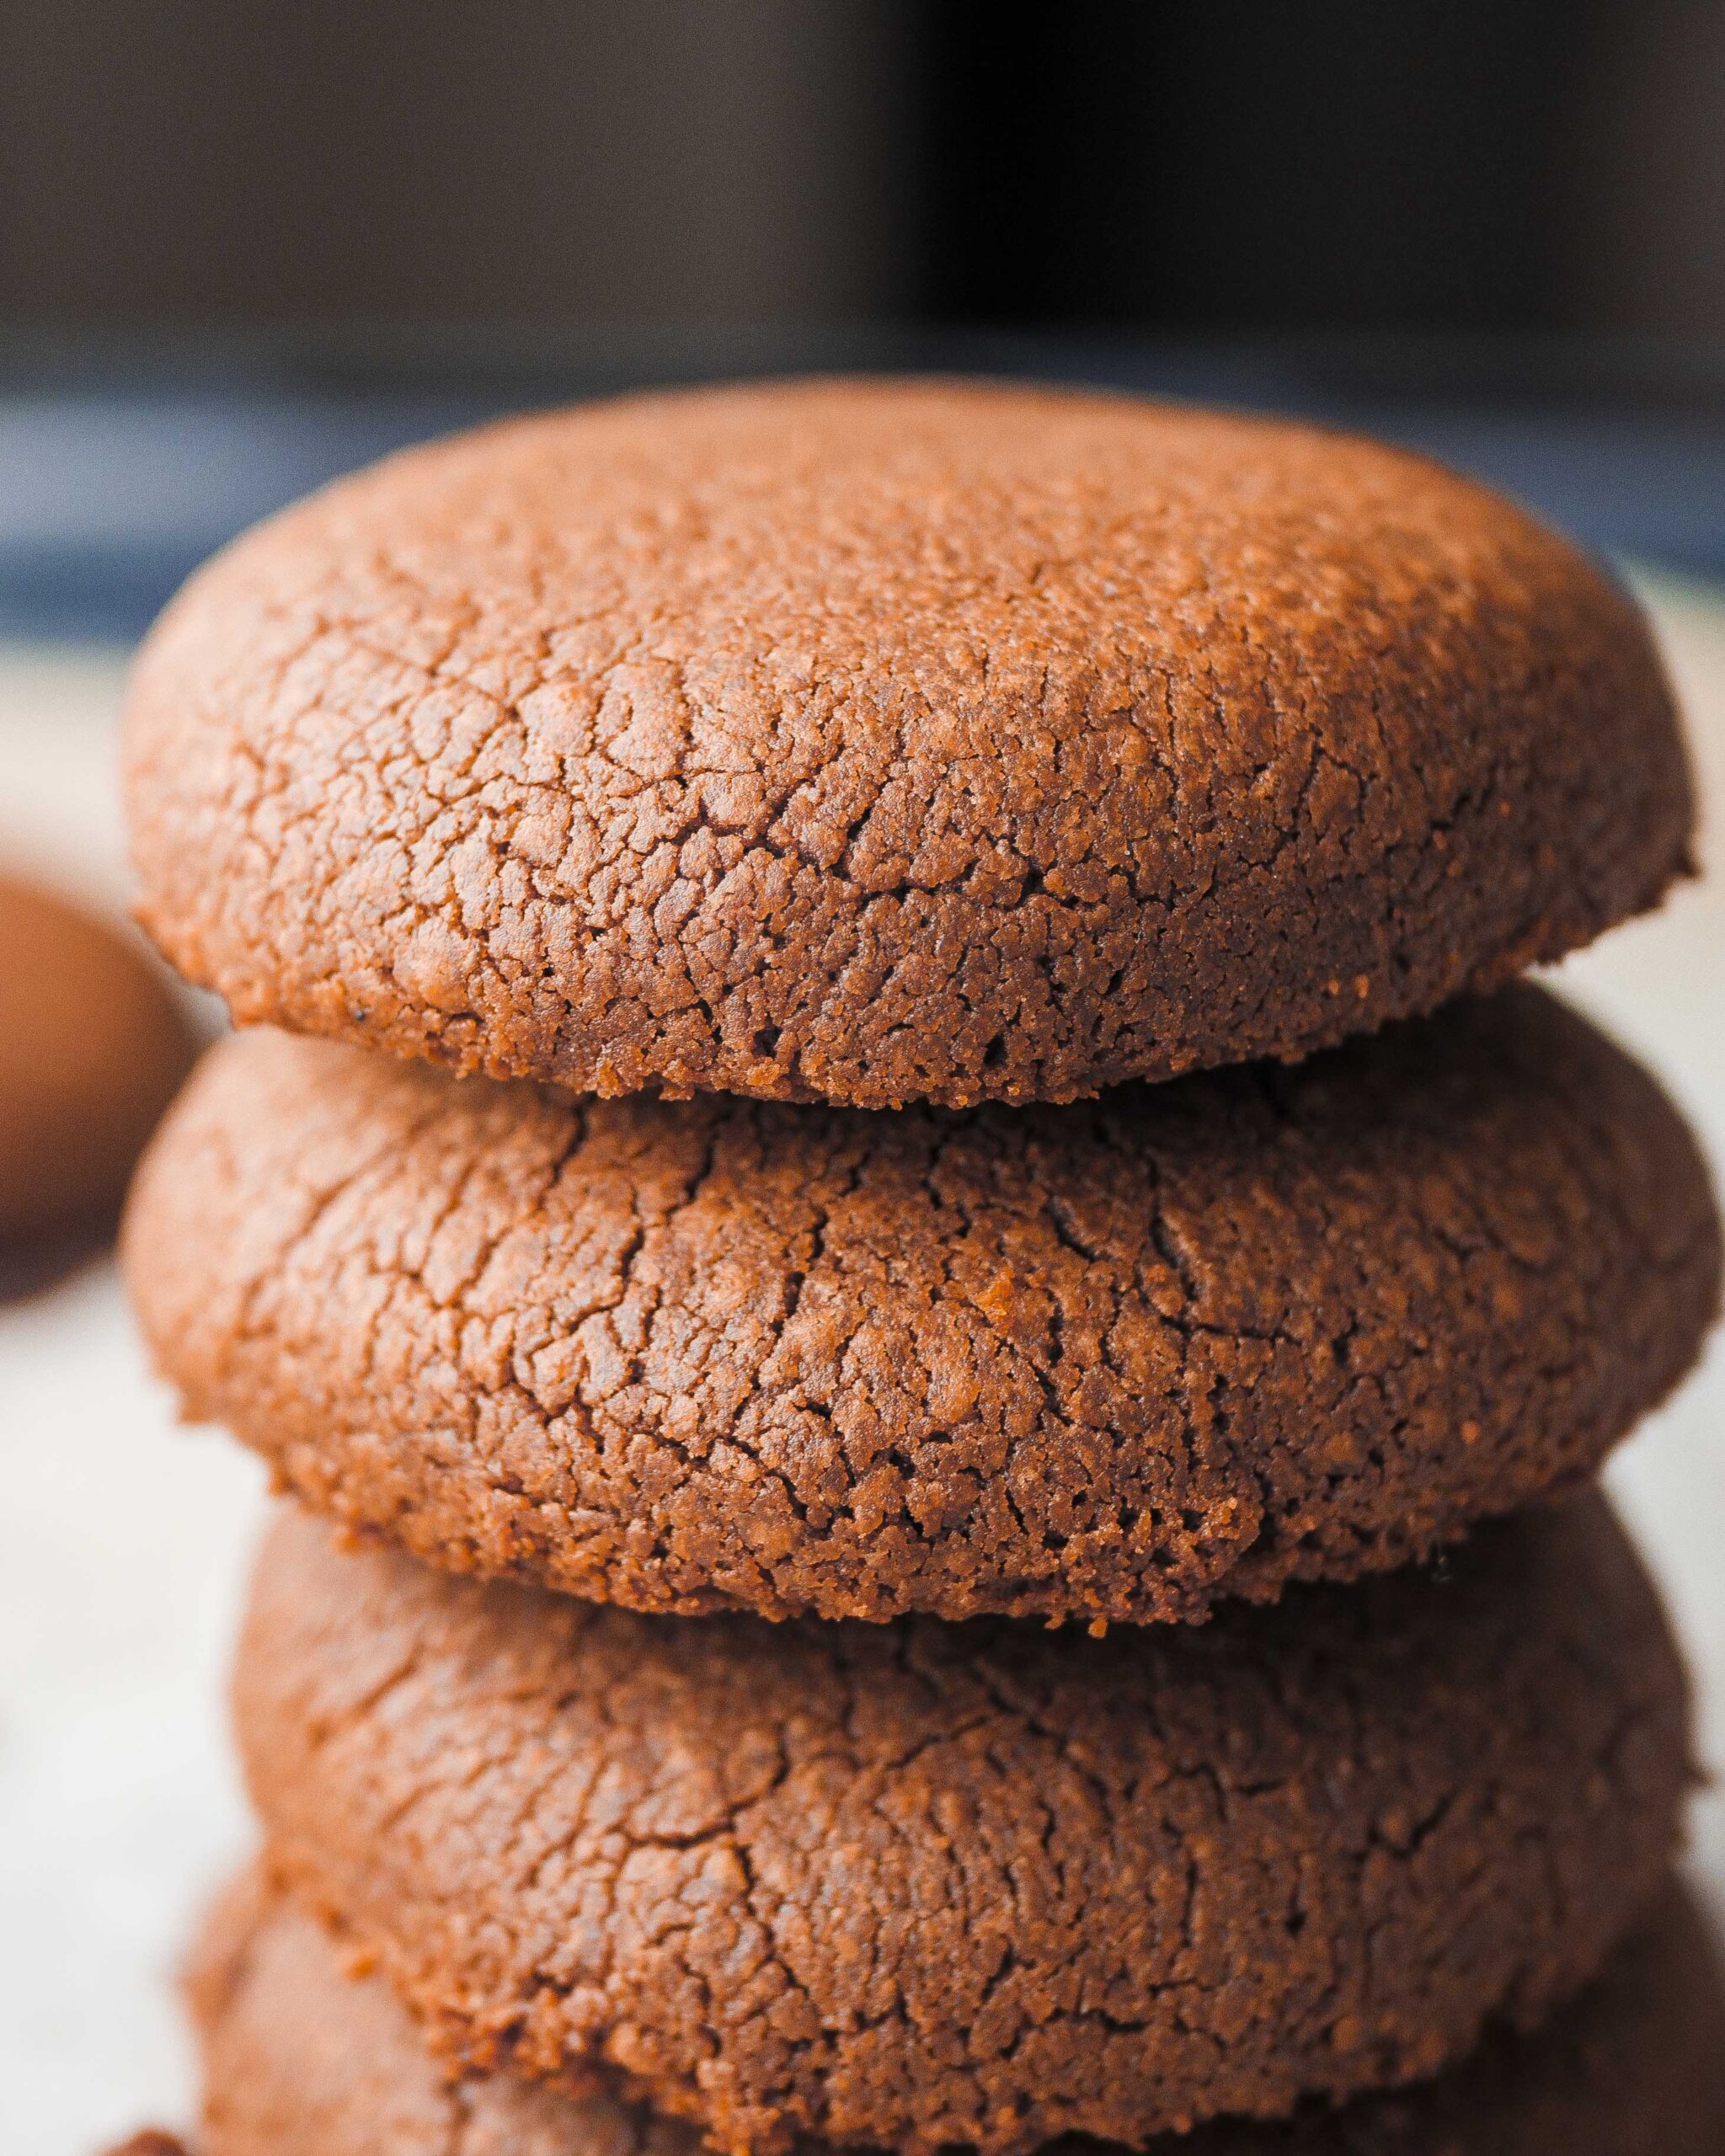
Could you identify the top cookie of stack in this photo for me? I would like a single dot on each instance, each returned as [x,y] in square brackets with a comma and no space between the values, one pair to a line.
[871,744]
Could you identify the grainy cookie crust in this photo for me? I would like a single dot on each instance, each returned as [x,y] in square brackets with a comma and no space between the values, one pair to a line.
[924,1884]
[873,742]
[1099,1362]
[301,2060]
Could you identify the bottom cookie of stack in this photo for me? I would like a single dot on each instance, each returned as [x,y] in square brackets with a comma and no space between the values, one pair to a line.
[303,2059]
[911,1886]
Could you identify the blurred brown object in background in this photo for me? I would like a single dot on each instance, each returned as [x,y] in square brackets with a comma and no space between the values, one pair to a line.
[92,1044]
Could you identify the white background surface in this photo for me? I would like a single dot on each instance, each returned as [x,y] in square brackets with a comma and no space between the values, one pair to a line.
[123,1540]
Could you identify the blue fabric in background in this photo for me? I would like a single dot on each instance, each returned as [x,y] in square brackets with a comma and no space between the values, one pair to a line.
[111,493]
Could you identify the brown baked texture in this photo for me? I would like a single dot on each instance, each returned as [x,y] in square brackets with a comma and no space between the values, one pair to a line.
[926,1883]
[92,1047]
[1109,1361]
[302,2058]
[871,742]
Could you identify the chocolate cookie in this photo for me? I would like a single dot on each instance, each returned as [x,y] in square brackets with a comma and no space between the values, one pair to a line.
[1109,1361]
[922,1884]
[873,741]
[303,2059]
[92,1047]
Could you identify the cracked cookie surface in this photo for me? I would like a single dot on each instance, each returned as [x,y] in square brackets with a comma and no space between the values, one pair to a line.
[301,2058]
[874,742]
[924,1883]
[1112,1361]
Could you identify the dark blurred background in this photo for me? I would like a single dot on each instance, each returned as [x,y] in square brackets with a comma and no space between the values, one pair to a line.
[311,229]
[1393,165]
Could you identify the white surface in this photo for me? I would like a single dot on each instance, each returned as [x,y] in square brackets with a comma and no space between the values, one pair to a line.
[123,1540]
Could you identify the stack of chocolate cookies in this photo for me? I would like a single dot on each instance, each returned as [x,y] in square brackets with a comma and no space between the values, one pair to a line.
[891,1177]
